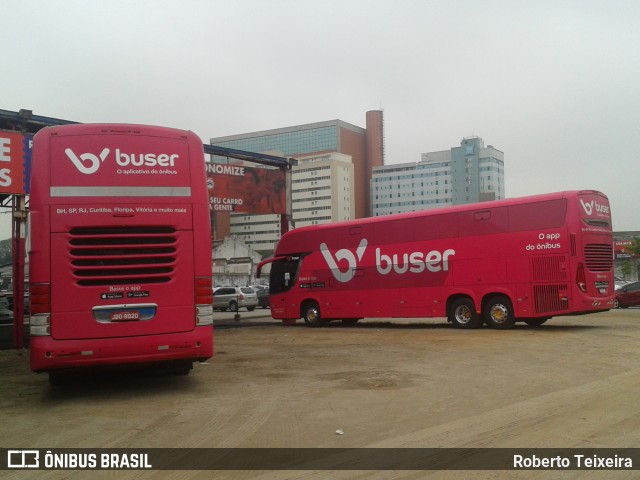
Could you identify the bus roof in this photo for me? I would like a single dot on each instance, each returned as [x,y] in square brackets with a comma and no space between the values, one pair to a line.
[446,210]
[115,128]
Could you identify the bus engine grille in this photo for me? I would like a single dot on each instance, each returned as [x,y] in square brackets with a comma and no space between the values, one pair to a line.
[122,255]
[549,268]
[550,298]
[598,257]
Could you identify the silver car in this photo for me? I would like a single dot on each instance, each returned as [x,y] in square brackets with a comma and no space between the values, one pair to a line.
[234,298]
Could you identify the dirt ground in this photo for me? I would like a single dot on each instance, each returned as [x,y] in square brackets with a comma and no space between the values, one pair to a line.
[573,382]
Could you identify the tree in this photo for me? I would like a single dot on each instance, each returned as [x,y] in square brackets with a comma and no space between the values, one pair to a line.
[632,264]
[634,248]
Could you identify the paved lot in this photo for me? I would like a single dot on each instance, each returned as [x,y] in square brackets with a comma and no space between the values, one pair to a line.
[572,383]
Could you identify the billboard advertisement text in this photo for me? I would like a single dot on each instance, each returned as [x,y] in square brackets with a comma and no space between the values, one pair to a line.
[241,189]
[15,153]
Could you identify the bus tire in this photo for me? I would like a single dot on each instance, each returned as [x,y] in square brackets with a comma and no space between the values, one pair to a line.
[311,314]
[462,313]
[498,313]
[57,379]
[535,322]
[350,321]
[182,368]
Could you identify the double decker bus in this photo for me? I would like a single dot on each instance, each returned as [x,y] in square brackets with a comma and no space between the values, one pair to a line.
[526,259]
[120,248]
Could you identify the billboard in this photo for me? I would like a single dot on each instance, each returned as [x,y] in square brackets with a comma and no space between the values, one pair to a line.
[240,189]
[15,162]
[620,248]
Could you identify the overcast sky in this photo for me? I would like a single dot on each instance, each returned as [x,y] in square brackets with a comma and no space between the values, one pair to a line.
[554,84]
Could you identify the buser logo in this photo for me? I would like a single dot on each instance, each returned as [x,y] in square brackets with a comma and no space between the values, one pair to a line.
[589,207]
[433,261]
[93,160]
[343,254]
[89,163]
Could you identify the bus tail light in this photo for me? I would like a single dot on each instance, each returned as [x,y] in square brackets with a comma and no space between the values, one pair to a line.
[204,291]
[40,298]
[581,278]
[204,300]
[40,309]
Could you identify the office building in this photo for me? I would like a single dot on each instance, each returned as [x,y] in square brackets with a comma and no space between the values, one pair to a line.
[361,148]
[322,192]
[466,174]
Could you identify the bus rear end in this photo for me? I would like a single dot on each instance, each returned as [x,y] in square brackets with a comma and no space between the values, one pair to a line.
[591,244]
[120,258]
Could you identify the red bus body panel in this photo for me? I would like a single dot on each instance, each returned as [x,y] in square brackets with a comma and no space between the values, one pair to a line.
[411,265]
[119,233]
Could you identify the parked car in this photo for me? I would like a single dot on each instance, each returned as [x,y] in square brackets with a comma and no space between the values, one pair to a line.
[6,315]
[628,295]
[234,298]
[620,282]
[263,297]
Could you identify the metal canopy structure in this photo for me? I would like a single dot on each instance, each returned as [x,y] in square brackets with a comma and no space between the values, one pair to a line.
[261,158]
[26,123]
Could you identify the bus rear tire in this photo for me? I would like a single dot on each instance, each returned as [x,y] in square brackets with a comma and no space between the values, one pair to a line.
[535,322]
[57,379]
[181,368]
[498,313]
[350,321]
[311,314]
[462,314]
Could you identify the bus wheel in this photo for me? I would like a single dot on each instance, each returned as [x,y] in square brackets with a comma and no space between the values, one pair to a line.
[57,379]
[311,314]
[350,321]
[462,314]
[535,322]
[182,368]
[498,313]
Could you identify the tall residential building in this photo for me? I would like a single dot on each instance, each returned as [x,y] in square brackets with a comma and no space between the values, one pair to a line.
[323,189]
[364,146]
[465,174]
[322,192]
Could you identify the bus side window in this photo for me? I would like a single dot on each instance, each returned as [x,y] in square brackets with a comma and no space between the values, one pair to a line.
[483,215]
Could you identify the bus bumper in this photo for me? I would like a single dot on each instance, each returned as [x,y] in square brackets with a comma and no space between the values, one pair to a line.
[594,304]
[49,354]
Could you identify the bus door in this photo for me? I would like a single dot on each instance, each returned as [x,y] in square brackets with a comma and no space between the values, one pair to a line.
[282,278]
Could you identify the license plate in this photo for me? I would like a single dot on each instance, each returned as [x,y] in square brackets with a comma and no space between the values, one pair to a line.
[124,316]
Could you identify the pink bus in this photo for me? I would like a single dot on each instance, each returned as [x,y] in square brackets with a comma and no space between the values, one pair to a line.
[526,259]
[120,248]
